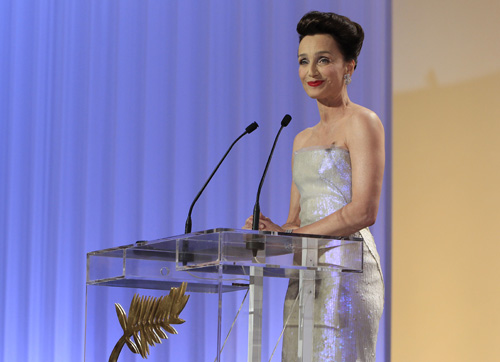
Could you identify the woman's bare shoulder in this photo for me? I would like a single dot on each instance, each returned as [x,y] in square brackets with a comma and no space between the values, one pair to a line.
[364,120]
[365,127]
[363,115]
[301,138]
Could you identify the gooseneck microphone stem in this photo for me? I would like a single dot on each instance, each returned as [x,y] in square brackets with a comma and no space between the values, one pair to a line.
[252,127]
[256,210]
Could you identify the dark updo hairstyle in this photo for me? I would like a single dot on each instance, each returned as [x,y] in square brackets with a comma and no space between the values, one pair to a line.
[348,34]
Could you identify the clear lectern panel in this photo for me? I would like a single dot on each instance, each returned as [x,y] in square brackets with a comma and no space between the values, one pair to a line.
[222,268]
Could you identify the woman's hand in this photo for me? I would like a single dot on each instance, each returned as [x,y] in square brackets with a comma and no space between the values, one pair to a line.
[249,223]
[264,224]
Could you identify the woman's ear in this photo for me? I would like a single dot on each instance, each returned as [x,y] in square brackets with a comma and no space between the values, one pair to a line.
[350,65]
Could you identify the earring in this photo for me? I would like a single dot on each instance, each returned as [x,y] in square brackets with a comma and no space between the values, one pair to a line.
[347,79]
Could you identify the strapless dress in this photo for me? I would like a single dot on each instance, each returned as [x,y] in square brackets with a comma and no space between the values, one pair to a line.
[348,306]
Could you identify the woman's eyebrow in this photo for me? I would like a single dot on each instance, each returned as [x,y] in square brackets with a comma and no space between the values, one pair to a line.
[317,53]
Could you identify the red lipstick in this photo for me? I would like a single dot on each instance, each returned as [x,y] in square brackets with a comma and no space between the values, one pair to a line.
[316,83]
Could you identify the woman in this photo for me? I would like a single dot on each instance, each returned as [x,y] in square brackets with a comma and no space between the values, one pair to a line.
[338,167]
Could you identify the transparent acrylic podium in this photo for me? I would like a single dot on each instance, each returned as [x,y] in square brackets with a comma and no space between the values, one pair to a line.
[219,262]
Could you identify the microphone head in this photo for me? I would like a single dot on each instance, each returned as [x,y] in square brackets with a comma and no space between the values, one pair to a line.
[252,127]
[286,120]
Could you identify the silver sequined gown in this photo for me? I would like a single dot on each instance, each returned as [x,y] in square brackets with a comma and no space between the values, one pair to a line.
[348,308]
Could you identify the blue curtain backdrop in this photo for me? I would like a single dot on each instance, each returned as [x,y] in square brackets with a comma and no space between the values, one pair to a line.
[112,115]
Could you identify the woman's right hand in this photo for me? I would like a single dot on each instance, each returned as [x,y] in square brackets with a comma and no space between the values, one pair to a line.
[249,223]
[264,224]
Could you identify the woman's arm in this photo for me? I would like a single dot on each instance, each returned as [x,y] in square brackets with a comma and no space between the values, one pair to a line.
[293,220]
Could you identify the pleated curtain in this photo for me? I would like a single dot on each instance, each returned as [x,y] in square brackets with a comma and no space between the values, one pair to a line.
[113,114]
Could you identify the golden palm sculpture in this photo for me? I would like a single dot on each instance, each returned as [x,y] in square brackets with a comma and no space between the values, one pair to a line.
[148,320]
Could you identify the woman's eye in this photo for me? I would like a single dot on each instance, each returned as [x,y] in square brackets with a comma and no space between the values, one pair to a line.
[303,61]
[324,60]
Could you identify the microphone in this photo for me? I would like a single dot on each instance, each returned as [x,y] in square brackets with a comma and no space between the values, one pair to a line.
[252,127]
[257,245]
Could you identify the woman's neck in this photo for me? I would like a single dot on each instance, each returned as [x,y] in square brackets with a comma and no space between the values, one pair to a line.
[331,110]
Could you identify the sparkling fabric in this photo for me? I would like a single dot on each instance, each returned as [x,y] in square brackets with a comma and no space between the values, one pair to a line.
[347,307]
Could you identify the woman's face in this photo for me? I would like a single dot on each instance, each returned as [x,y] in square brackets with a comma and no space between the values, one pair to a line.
[322,67]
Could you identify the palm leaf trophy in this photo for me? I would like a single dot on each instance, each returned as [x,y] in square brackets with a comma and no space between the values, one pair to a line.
[148,320]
